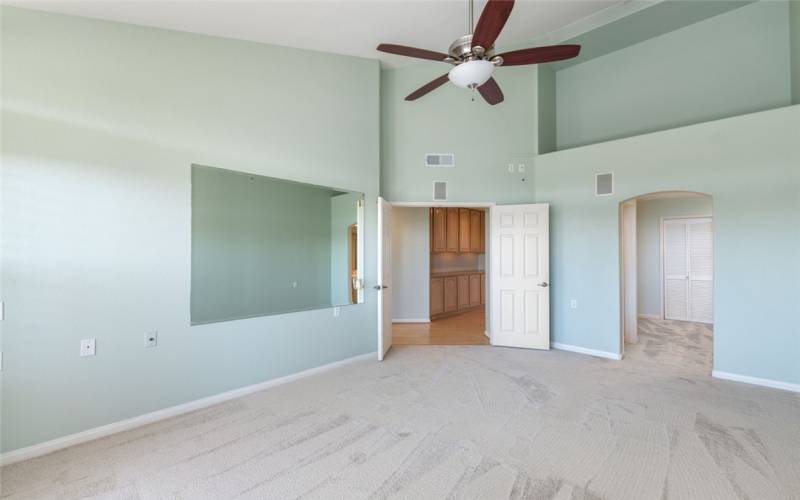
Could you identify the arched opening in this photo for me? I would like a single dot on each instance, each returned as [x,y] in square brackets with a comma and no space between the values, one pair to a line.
[666,279]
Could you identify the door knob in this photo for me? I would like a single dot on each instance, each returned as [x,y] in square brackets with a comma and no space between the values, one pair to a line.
[543,284]
[380,287]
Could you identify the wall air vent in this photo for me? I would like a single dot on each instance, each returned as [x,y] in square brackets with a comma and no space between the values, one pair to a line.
[604,184]
[439,191]
[440,160]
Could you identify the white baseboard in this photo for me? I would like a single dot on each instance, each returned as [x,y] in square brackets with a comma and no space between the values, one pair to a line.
[583,350]
[40,449]
[649,316]
[412,320]
[765,382]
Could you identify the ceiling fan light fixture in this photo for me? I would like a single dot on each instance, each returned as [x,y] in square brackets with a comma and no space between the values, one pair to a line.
[471,74]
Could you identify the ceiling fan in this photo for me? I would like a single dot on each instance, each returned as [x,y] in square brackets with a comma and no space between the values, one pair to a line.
[473,55]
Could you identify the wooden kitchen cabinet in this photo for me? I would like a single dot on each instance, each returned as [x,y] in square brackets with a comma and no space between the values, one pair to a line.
[483,232]
[456,292]
[474,290]
[463,230]
[438,229]
[475,235]
[437,296]
[450,294]
[452,230]
[463,291]
[457,230]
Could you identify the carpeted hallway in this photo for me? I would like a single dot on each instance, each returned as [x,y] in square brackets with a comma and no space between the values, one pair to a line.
[454,422]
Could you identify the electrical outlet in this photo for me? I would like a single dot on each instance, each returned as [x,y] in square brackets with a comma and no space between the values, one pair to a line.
[573,304]
[337,311]
[151,339]
[87,347]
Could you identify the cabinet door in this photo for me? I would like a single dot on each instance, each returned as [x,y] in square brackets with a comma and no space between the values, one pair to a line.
[452,230]
[474,290]
[437,296]
[483,288]
[483,231]
[438,230]
[463,291]
[475,231]
[463,230]
[450,294]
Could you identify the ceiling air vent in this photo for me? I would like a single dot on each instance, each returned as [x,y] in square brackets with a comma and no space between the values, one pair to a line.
[439,191]
[440,160]
[603,184]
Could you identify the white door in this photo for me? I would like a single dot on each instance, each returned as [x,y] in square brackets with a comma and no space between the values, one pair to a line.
[688,249]
[384,277]
[519,276]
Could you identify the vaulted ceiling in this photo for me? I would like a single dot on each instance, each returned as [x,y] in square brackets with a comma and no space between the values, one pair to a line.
[340,26]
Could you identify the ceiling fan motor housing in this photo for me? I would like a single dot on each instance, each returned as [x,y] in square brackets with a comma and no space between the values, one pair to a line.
[461,50]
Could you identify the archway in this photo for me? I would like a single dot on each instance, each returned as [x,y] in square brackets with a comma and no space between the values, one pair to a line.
[666,279]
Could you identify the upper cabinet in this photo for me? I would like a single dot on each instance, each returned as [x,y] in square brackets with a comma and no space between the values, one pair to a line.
[458,230]
[438,229]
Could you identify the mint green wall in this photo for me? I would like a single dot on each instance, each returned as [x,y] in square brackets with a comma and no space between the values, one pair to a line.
[794,28]
[344,213]
[253,239]
[648,243]
[749,165]
[101,124]
[546,92]
[734,63]
[484,138]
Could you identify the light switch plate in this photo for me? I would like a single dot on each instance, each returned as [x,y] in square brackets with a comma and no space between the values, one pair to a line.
[573,304]
[337,311]
[521,168]
[87,347]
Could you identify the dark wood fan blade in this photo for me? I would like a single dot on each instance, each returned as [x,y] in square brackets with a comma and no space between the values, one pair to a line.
[435,84]
[491,92]
[540,55]
[491,22]
[402,50]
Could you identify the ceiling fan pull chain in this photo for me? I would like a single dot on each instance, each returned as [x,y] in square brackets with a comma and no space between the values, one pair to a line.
[471,17]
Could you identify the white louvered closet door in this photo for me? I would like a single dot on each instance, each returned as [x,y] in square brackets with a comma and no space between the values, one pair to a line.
[688,269]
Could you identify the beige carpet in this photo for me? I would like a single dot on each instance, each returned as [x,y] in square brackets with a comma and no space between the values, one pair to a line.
[458,422]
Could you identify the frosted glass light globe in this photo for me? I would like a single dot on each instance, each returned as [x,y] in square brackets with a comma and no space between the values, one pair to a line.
[471,74]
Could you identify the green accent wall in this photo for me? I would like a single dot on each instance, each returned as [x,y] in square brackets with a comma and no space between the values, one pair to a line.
[484,138]
[749,164]
[794,28]
[735,63]
[101,124]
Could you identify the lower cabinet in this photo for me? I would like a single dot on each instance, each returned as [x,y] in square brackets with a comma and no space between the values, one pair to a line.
[450,294]
[437,296]
[456,292]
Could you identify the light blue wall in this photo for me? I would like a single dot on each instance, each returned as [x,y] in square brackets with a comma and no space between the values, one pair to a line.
[794,28]
[749,164]
[648,237]
[484,138]
[734,63]
[344,213]
[101,123]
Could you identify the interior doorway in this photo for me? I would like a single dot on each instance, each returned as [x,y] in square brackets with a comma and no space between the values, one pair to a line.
[666,279]
[439,275]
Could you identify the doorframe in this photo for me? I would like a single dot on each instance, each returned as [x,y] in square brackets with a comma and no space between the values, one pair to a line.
[661,284]
[487,253]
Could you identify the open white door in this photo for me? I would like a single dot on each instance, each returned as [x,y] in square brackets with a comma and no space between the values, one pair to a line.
[519,276]
[384,277]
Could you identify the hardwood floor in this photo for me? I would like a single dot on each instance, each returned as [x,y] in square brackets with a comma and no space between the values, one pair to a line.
[463,329]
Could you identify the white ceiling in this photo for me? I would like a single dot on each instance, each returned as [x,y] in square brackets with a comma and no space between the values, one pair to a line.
[341,26]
